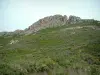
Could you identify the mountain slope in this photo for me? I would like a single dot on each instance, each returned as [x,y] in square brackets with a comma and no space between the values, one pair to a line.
[65,50]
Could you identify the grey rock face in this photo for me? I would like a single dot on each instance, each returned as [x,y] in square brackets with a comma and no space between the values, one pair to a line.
[73,19]
[18,31]
[46,22]
[51,21]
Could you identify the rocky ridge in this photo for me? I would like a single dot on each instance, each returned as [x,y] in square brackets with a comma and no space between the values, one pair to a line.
[47,22]
[52,21]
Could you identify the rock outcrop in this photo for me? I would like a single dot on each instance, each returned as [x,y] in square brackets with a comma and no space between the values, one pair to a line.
[18,31]
[13,41]
[51,21]
[73,19]
[47,22]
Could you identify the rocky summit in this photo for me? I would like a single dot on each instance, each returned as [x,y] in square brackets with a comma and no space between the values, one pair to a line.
[52,21]
[49,22]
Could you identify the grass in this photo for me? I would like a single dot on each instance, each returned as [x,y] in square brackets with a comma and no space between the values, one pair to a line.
[54,51]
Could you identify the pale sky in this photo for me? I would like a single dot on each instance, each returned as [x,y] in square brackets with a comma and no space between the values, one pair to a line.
[19,14]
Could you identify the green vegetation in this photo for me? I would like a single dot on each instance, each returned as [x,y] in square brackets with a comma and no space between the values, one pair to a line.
[65,50]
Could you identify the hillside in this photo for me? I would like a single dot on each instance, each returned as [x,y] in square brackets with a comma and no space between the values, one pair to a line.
[69,49]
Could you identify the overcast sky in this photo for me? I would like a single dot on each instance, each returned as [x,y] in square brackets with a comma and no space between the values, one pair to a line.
[19,14]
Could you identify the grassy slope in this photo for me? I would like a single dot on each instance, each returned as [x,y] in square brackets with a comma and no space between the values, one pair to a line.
[54,50]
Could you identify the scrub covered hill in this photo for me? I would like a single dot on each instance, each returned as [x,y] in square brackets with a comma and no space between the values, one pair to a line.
[70,49]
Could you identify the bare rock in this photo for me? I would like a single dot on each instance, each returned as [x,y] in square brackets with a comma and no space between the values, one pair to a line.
[73,19]
[13,41]
[51,21]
